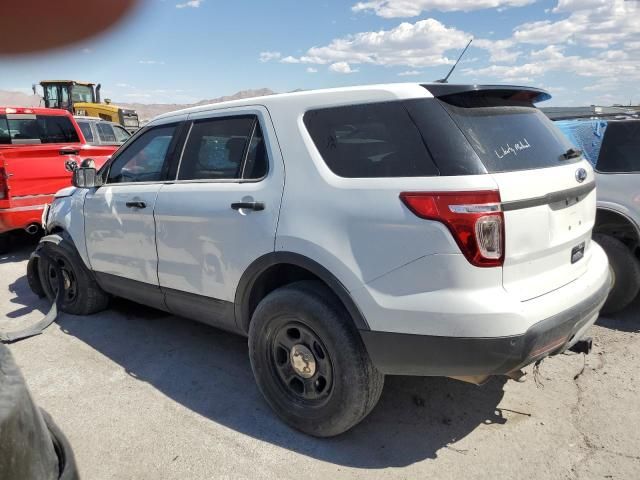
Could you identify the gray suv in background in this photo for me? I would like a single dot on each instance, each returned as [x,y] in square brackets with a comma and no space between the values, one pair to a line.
[97,131]
[612,146]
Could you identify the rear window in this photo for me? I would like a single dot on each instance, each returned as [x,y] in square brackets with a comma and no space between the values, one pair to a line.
[507,135]
[371,140]
[620,150]
[34,129]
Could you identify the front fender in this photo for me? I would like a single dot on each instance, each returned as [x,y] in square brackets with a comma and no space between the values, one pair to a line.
[66,214]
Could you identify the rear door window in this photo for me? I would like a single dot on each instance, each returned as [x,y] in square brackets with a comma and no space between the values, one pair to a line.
[33,129]
[85,127]
[370,140]
[508,135]
[216,148]
[620,150]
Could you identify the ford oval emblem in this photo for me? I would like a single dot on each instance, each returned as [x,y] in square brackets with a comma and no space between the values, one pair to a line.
[581,175]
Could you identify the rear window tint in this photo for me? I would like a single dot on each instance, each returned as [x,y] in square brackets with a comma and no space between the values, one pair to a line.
[510,137]
[33,129]
[371,140]
[620,150]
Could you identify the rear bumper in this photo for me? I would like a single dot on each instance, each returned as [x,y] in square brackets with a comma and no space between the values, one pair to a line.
[16,218]
[426,355]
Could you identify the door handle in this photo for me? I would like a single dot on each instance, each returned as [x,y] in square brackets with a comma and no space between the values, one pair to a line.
[69,151]
[136,204]
[256,206]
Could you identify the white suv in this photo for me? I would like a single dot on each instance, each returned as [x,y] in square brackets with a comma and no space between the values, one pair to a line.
[437,229]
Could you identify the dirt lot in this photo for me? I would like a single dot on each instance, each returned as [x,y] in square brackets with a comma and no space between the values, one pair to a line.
[145,395]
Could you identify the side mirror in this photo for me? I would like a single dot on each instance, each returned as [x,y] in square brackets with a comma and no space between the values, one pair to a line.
[88,163]
[85,177]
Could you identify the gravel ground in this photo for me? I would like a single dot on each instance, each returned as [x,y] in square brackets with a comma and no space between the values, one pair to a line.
[145,395]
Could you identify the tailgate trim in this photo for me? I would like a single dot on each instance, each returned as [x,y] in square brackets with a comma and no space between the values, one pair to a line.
[549,198]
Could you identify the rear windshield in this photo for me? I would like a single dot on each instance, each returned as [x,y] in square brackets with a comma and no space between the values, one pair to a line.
[371,140]
[508,135]
[19,129]
[620,150]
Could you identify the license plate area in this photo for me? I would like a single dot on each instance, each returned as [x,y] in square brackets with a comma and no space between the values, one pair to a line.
[577,252]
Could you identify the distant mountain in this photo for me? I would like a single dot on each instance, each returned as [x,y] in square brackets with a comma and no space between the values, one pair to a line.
[145,111]
[18,99]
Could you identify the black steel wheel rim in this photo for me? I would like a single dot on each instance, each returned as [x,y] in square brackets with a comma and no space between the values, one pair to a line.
[69,279]
[309,383]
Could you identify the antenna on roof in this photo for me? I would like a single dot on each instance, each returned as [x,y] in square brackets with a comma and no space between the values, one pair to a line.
[445,79]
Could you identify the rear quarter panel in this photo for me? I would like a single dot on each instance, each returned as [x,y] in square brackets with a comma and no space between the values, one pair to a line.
[358,229]
[620,192]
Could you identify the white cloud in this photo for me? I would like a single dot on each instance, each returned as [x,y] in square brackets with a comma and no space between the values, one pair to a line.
[409,73]
[123,85]
[341,67]
[413,8]
[190,4]
[290,59]
[420,44]
[500,50]
[86,51]
[611,65]
[594,23]
[268,56]
[151,62]
[312,70]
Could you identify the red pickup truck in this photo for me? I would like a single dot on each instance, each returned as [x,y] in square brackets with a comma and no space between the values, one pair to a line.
[37,149]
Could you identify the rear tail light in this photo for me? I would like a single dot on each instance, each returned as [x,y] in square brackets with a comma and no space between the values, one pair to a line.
[475,220]
[4,187]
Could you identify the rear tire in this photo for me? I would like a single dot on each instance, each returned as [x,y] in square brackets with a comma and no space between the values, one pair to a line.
[5,243]
[625,269]
[309,360]
[82,295]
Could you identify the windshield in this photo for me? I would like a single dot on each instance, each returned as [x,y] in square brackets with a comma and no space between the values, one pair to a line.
[82,93]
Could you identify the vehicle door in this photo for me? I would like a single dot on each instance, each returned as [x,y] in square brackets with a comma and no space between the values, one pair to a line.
[119,223]
[36,164]
[221,212]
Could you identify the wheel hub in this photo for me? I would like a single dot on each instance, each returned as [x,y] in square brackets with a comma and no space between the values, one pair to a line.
[303,361]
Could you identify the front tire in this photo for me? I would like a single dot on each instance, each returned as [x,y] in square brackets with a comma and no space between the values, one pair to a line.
[625,269]
[309,360]
[82,295]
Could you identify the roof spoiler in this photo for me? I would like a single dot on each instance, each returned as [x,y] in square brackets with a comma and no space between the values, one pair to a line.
[503,92]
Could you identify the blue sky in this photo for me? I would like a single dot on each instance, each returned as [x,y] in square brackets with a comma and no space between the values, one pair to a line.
[583,51]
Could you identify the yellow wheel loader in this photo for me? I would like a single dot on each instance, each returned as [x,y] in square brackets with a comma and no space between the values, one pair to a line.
[83,98]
